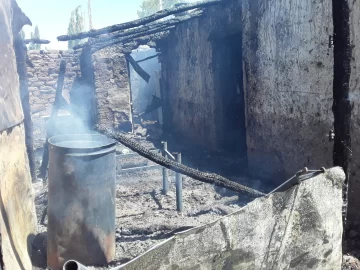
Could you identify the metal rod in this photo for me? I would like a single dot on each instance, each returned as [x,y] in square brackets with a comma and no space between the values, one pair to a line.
[139,169]
[179,200]
[169,154]
[74,265]
[165,172]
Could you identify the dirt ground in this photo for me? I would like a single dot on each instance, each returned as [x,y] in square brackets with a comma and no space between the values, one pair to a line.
[145,217]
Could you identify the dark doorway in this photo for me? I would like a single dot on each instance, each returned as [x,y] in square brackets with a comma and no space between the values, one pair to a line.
[227,57]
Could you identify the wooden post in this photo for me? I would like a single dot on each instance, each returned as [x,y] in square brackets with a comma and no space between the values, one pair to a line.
[50,125]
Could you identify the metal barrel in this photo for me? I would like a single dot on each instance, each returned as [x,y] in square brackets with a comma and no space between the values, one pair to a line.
[81,206]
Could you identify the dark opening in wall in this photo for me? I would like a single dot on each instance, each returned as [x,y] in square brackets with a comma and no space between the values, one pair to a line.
[227,57]
[146,96]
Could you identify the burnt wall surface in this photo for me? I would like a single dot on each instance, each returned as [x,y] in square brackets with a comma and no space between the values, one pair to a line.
[288,78]
[112,89]
[17,211]
[197,74]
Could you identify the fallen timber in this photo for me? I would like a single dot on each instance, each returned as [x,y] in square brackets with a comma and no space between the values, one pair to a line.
[156,16]
[209,178]
[139,70]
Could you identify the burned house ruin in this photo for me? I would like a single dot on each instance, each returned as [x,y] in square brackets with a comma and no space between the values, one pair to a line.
[245,93]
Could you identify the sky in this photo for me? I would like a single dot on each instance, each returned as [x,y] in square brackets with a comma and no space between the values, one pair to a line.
[52,16]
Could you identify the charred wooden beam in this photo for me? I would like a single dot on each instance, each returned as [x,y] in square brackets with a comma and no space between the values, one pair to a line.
[137,38]
[138,69]
[341,87]
[36,41]
[144,30]
[50,127]
[154,17]
[148,58]
[209,178]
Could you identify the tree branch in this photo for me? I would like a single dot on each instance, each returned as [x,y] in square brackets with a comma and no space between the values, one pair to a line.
[156,16]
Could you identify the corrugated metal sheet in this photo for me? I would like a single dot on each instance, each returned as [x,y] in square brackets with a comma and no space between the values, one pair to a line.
[10,106]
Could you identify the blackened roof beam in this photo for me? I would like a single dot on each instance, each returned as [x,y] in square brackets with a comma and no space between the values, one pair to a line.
[138,39]
[36,41]
[141,31]
[142,21]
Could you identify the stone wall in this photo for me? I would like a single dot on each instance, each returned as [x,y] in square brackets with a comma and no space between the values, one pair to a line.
[17,211]
[197,75]
[112,88]
[42,79]
[297,229]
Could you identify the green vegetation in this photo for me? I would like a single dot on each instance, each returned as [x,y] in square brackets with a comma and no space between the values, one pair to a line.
[149,7]
[76,25]
[35,35]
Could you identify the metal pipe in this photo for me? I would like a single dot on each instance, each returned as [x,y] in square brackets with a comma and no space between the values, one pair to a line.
[179,201]
[74,265]
[169,154]
[165,173]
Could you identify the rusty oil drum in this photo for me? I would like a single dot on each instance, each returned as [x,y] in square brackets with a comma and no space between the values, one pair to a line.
[81,207]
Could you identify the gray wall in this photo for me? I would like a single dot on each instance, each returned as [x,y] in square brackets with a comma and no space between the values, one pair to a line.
[288,77]
[191,63]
